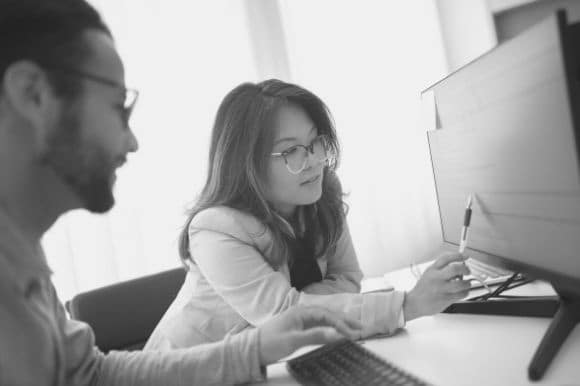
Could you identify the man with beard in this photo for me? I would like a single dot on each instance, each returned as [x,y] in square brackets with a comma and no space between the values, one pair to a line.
[64,130]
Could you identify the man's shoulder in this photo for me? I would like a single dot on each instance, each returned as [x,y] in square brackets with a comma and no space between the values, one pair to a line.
[27,342]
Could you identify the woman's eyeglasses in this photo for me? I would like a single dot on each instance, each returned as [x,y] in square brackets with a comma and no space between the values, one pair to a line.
[296,157]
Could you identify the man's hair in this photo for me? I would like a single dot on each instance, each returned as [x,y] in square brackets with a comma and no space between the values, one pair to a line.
[50,34]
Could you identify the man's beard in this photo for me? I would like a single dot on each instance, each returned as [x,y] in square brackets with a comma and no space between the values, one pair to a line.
[84,167]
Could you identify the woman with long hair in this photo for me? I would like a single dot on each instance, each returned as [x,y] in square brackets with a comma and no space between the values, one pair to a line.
[269,229]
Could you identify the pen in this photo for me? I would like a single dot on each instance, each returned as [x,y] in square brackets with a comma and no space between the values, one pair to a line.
[465,228]
[463,238]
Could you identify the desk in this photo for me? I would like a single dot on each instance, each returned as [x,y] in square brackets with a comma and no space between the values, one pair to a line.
[455,349]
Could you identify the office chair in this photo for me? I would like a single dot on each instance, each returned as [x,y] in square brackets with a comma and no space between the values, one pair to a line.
[124,315]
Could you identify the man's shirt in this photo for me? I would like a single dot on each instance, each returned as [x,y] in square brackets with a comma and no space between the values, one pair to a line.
[39,345]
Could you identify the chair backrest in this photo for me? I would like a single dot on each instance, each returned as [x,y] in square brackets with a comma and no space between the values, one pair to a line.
[124,315]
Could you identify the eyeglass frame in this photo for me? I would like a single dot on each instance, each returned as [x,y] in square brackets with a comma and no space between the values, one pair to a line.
[309,150]
[126,110]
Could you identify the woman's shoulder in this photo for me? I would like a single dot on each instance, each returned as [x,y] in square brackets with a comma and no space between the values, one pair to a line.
[225,219]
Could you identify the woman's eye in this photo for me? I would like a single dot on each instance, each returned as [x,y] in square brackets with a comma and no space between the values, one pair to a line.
[291,151]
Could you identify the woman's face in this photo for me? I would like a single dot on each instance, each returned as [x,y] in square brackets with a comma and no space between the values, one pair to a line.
[284,190]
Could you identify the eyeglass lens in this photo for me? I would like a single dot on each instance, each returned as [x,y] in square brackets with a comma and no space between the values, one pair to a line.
[297,158]
[129,104]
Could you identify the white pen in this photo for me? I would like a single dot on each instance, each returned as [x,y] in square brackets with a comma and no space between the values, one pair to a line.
[465,228]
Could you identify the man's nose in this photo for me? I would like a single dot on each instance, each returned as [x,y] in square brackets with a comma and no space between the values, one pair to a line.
[133,144]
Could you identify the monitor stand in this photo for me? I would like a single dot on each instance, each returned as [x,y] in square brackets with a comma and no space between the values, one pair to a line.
[542,306]
[564,309]
[564,321]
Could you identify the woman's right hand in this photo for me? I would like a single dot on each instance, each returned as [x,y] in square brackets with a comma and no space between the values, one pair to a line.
[439,286]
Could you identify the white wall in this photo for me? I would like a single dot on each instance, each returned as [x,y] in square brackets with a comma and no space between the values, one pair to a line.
[467,28]
[267,39]
[183,56]
[369,60]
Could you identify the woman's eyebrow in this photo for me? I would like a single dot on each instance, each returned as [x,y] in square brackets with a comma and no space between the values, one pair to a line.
[313,128]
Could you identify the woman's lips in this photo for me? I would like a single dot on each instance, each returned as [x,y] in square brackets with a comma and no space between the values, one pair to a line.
[311,180]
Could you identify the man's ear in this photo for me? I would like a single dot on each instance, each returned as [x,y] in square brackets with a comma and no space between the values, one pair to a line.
[29,93]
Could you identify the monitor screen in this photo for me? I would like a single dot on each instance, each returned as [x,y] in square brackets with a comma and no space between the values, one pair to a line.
[503,128]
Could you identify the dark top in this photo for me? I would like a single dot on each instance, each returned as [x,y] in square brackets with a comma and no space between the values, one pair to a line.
[304,269]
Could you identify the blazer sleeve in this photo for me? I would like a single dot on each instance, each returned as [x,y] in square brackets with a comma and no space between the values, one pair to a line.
[222,247]
[343,273]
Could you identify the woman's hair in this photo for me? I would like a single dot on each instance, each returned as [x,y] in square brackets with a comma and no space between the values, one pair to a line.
[239,154]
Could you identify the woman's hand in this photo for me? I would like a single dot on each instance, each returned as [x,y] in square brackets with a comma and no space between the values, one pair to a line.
[439,286]
[302,326]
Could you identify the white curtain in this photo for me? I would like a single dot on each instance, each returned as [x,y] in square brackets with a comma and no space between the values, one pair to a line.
[183,56]
[367,59]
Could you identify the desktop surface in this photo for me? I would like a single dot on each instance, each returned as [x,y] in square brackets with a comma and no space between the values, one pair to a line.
[468,350]
[459,349]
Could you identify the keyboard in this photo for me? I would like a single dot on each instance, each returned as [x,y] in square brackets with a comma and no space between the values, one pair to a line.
[347,363]
[488,273]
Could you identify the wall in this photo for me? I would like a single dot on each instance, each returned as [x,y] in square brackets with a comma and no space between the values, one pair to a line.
[369,60]
[467,28]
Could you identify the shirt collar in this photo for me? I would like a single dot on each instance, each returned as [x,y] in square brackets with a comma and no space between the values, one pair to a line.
[26,260]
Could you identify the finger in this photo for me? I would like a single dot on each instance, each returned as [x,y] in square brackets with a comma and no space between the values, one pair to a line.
[455,269]
[312,336]
[457,286]
[344,324]
[348,331]
[341,325]
[317,316]
[460,295]
[349,327]
[464,294]
[352,322]
[448,258]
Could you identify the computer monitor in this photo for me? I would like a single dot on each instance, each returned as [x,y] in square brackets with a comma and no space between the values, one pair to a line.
[506,129]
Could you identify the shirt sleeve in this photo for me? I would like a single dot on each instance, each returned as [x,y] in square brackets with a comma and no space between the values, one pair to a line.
[241,276]
[233,360]
[343,272]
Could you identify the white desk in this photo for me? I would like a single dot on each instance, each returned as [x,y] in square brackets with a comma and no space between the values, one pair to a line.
[456,349]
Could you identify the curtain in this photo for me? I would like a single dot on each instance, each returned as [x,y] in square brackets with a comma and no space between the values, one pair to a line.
[369,60]
[183,56]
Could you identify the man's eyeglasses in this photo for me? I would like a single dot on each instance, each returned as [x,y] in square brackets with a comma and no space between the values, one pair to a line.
[296,157]
[130,95]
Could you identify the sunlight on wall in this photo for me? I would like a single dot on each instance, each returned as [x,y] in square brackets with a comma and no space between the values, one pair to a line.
[184,57]
[369,60]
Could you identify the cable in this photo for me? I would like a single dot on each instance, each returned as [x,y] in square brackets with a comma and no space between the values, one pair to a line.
[514,281]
